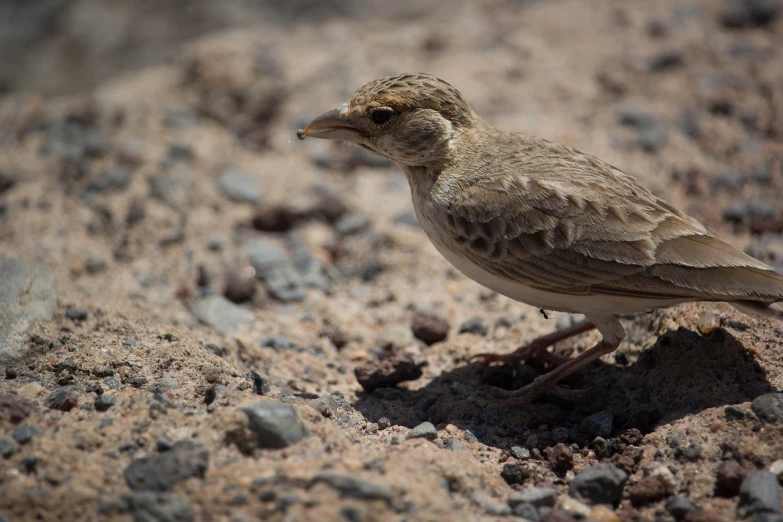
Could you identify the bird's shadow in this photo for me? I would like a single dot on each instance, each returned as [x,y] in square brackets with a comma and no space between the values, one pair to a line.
[683,373]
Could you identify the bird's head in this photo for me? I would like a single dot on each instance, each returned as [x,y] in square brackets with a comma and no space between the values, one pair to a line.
[410,119]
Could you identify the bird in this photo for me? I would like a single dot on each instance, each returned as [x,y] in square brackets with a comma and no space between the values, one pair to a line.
[543,223]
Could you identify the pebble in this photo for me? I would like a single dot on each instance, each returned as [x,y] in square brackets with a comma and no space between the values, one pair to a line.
[526,511]
[274,425]
[149,506]
[238,186]
[326,405]
[240,287]
[650,131]
[776,468]
[408,219]
[490,505]
[515,473]
[728,478]
[7,447]
[429,327]
[475,325]
[769,407]
[560,458]
[733,413]
[425,430]
[95,265]
[76,314]
[277,342]
[741,13]
[351,223]
[597,425]
[352,487]
[64,399]
[759,493]
[680,506]
[456,445]
[666,61]
[648,490]
[519,452]
[393,367]
[599,484]
[117,178]
[285,284]
[260,384]
[24,433]
[220,313]
[535,496]
[265,255]
[16,408]
[160,472]
[28,296]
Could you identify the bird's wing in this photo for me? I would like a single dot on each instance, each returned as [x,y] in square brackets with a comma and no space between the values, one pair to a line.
[578,225]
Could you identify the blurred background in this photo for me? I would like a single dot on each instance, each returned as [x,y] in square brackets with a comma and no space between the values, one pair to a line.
[148,159]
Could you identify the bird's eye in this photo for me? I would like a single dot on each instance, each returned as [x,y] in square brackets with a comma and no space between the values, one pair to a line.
[381,115]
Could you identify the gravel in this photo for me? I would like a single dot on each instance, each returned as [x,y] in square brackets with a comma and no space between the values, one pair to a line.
[28,296]
[759,493]
[425,430]
[160,472]
[599,484]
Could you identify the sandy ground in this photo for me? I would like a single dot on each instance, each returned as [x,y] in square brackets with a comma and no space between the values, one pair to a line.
[160,191]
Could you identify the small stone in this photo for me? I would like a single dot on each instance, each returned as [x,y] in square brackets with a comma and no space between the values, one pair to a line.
[7,447]
[527,512]
[648,490]
[326,405]
[165,384]
[518,452]
[424,430]
[393,367]
[105,401]
[240,287]
[117,178]
[264,256]
[260,384]
[16,408]
[351,487]
[741,13]
[650,131]
[759,493]
[95,265]
[490,505]
[560,458]
[76,314]
[147,506]
[239,186]
[285,284]
[680,506]
[277,342]
[599,484]
[475,325]
[776,468]
[162,471]
[598,424]
[538,497]
[733,413]
[515,473]
[351,223]
[666,61]
[24,433]
[456,445]
[769,407]
[220,313]
[63,399]
[274,425]
[429,327]
[728,478]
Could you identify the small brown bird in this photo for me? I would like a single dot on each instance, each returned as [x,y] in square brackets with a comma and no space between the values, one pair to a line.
[543,223]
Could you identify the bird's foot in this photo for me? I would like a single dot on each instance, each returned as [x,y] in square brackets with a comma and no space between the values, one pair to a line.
[534,350]
[527,394]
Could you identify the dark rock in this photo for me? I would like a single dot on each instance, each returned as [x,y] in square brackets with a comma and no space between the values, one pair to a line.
[599,484]
[384,423]
[648,490]
[690,122]
[597,425]
[260,384]
[220,313]
[272,425]
[276,218]
[526,511]
[729,477]
[741,13]
[680,506]
[239,288]
[769,249]
[666,61]
[105,401]
[429,327]
[277,342]
[499,376]
[14,408]
[7,181]
[63,399]
[284,283]
[538,497]
[7,447]
[759,493]
[351,223]
[351,487]
[560,458]
[769,407]
[393,367]
[748,212]
[335,335]
[117,178]
[163,444]
[490,505]
[650,131]
[94,265]
[733,413]
[239,186]
[518,452]
[76,314]
[162,471]
[24,433]
[425,430]
[150,507]
[515,473]
[28,296]
[475,325]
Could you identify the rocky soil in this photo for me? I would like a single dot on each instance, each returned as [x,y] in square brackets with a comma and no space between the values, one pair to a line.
[204,319]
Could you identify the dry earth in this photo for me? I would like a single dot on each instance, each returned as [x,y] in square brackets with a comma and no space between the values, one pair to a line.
[218,283]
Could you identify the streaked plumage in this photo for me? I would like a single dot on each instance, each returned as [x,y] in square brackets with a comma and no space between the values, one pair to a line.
[541,222]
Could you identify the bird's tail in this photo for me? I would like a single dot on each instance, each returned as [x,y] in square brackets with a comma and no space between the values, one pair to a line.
[760,309]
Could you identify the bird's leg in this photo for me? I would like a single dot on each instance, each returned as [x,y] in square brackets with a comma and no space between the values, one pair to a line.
[546,383]
[536,349]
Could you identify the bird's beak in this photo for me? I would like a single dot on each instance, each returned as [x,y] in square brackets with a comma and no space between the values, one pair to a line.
[330,125]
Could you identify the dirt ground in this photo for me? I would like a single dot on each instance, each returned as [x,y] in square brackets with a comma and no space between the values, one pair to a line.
[208,267]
